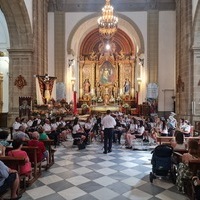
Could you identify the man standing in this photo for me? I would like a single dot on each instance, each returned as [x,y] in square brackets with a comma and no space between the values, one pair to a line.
[172,124]
[108,122]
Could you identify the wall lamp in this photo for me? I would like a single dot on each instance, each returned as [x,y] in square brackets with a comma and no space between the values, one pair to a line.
[70,62]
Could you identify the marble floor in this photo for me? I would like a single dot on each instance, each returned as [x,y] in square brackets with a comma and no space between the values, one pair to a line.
[90,174]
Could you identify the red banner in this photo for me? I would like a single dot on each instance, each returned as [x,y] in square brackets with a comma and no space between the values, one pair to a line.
[75,103]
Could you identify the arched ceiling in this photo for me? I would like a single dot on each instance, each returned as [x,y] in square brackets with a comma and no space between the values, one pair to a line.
[119,5]
[121,40]
[19,26]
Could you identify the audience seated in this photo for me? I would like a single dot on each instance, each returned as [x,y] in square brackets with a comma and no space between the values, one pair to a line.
[183,169]
[88,128]
[119,129]
[21,134]
[42,153]
[16,124]
[148,126]
[42,134]
[24,123]
[171,124]
[78,131]
[178,143]
[9,178]
[47,126]
[3,138]
[163,128]
[153,135]
[140,131]
[30,122]
[186,128]
[129,136]
[17,152]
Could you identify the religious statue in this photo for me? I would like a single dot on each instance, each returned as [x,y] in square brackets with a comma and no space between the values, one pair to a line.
[121,55]
[47,94]
[105,75]
[115,90]
[86,86]
[127,86]
[98,89]
[93,56]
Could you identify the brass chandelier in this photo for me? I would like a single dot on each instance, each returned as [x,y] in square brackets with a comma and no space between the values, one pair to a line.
[107,23]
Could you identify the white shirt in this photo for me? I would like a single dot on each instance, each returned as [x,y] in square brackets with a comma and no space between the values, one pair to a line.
[47,128]
[54,126]
[25,125]
[76,128]
[133,127]
[164,131]
[30,123]
[108,122]
[16,125]
[88,125]
[186,128]
[141,130]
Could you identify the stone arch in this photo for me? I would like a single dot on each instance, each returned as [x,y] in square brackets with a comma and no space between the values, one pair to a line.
[196,60]
[196,27]
[18,22]
[20,53]
[90,22]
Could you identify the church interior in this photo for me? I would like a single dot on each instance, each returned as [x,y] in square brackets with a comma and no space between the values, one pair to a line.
[73,58]
[140,65]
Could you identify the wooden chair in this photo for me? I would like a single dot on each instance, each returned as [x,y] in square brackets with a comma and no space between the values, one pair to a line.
[2,150]
[32,153]
[15,163]
[48,144]
[194,165]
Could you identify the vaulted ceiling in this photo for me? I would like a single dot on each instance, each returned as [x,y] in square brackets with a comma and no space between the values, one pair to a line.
[121,40]
[119,5]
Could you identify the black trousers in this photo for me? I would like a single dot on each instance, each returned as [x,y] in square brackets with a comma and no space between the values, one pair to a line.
[108,136]
[119,134]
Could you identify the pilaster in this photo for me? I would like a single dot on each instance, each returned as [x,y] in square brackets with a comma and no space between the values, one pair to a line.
[59,49]
[40,9]
[20,62]
[152,42]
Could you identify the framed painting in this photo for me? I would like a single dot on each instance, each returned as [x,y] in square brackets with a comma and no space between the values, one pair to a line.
[107,73]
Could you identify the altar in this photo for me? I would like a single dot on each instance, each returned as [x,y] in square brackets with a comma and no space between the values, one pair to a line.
[104,108]
[107,76]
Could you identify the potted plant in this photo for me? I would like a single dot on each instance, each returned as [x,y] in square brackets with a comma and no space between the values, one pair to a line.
[126,107]
[85,108]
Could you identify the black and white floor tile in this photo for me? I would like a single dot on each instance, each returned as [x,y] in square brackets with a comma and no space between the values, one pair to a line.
[90,174]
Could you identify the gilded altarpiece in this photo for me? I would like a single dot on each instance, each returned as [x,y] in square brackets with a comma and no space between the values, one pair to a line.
[107,77]
[107,71]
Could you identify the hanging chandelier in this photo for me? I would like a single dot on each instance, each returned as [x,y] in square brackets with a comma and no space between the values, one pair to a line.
[107,22]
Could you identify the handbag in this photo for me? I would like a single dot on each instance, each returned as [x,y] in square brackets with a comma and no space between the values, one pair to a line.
[81,145]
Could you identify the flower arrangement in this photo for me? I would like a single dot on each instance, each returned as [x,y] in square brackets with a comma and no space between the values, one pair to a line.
[53,109]
[99,100]
[94,98]
[126,105]
[84,106]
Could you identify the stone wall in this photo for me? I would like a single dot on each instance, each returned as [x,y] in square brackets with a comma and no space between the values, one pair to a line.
[184,64]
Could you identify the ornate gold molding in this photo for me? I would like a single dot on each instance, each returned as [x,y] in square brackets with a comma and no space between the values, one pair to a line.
[20,82]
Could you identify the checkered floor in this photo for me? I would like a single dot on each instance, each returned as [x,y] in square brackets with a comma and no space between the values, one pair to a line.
[90,174]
